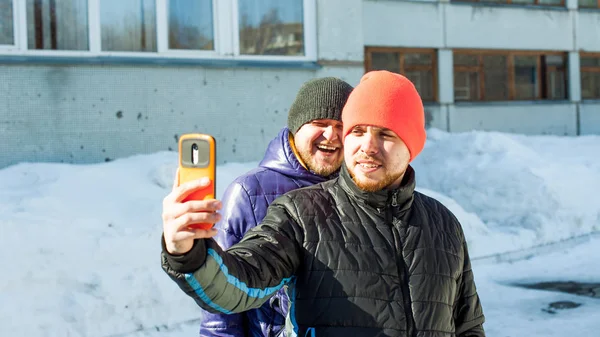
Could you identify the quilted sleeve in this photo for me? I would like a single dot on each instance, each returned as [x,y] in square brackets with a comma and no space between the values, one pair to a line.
[468,313]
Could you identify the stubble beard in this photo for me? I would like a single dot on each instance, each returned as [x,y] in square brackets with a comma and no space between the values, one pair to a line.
[374,186]
[323,170]
[387,180]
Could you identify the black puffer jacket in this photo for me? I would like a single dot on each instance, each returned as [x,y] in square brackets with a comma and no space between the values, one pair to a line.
[391,263]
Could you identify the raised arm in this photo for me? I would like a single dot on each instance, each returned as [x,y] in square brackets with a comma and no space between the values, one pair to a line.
[246,275]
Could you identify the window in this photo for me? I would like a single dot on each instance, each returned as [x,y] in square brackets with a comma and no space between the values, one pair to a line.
[128,25]
[590,76]
[418,65]
[238,29]
[57,25]
[502,76]
[271,27]
[589,3]
[6,23]
[521,2]
[191,25]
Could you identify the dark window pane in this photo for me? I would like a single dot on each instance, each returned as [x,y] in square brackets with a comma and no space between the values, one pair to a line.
[191,24]
[418,59]
[551,2]
[495,75]
[555,72]
[590,62]
[466,86]
[523,2]
[588,3]
[385,61]
[526,77]
[556,85]
[271,27]
[423,81]
[590,85]
[128,25]
[57,24]
[6,22]
[554,60]
[466,60]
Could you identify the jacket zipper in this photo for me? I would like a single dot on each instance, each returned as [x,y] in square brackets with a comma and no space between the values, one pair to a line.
[402,269]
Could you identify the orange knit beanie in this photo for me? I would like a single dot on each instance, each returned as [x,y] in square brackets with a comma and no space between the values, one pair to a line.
[387,100]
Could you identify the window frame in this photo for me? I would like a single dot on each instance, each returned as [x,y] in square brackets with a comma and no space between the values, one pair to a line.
[401,51]
[583,69]
[510,3]
[510,69]
[225,31]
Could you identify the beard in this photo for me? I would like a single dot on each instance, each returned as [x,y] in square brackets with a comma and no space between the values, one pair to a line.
[372,185]
[321,168]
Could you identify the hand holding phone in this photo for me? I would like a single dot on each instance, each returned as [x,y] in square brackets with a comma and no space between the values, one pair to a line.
[197,159]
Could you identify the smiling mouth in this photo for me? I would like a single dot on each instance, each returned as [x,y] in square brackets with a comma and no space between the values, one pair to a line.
[368,165]
[327,148]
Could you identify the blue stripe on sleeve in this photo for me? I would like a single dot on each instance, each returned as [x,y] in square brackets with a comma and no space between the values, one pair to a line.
[251,292]
[191,280]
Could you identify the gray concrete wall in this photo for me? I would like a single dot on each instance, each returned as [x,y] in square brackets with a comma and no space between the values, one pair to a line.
[516,117]
[88,114]
[589,116]
[428,24]
[403,23]
[506,27]
[588,30]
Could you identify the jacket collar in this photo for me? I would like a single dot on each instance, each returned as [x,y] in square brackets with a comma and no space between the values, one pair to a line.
[403,195]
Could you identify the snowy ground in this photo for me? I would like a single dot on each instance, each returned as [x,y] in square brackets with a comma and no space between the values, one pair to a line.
[80,243]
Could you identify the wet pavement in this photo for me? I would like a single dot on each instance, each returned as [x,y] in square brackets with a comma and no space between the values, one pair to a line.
[576,288]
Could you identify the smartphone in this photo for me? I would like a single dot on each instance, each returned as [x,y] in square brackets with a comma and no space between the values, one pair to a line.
[197,159]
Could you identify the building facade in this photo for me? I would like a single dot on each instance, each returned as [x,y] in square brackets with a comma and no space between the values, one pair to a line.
[526,66]
[84,81]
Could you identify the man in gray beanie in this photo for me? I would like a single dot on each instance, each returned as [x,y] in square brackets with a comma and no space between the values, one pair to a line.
[318,107]
[306,152]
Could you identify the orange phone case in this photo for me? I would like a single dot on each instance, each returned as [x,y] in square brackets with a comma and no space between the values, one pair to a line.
[198,163]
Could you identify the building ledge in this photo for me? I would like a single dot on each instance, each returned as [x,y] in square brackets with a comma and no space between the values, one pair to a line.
[156,61]
[511,5]
[513,103]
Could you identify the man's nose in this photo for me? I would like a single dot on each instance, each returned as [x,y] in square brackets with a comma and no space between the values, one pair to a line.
[369,144]
[330,133]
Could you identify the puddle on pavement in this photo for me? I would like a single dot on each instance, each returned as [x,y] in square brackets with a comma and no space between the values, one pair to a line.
[576,288]
[570,287]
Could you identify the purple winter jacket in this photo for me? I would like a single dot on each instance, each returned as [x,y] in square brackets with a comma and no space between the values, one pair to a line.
[245,204]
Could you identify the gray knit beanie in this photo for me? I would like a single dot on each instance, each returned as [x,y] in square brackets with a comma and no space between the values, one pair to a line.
[321,98]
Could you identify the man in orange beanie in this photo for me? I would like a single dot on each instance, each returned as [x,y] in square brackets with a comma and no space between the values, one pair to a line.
[361,255]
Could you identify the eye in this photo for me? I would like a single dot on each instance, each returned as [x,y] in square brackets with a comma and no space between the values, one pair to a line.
[388,135]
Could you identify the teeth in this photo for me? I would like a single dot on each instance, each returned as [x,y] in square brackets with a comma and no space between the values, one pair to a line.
[368,165]
[325,147]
